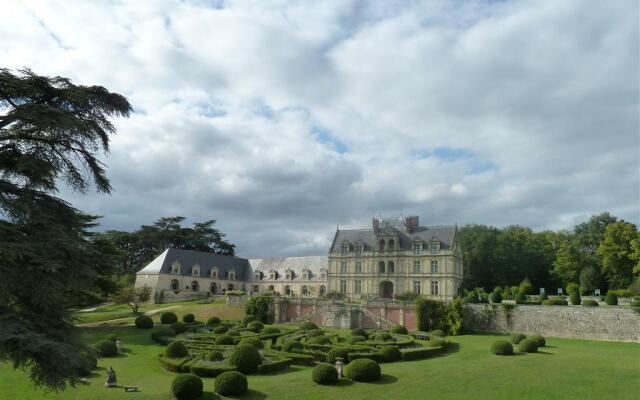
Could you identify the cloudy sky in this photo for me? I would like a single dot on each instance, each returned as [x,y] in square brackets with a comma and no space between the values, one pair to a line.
[281,119]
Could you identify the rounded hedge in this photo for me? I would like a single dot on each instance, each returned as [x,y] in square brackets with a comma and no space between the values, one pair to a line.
[382,337]
[390,353]
[231,383]
[255,326]
[339,352]
[324,374]
[168,317]
[186,387]
[214,355]
[319,340]
[254,341]
[634,303]
[517,338]
[611,299]
[246,358]
[437,333]
[176,349]
[113,337]
[399,329]
[249,318]
[220,329]
[359,332]
[224,340]
[270,330]
[290,345]
[363,370]
[106,348]
[88,362]
[528,346]
[233,332]
[161,334]
[144,322]
[188,318]
[179,327]
[555,302]
[590,303]
[495,297]
[307,326]
[213,321]
[574,298]
[539,340]
[356,339]
[502,348]
[521,298]
[435,341]
[314,333]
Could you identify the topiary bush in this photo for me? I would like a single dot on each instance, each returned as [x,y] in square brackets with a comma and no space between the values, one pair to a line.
[254,341]
[220,329]
[186,387]
[268,330]
[162,334]
[106,348]
[213,321]
[359,332]
[255,326]
[307,326]
[634,303]
[233,332]
[231,383]
[435,341]
[168,317]
[590,303]
[521,298]
[324,374]
[528,346]
[319,340]
[496,297]
[338,352]
[502,348]
[314,333]
[176,349]
[225,340]
[574,298]
[246,358]
[214,355]
[179,327]
[363,370]
[555,302]
[188,318]
[399,329]
[437,333]
[144,322]
[517,338]
[539,340]
[382,337]
[611,299]
[290,345]
[390,353]
[356,339]
[249,318]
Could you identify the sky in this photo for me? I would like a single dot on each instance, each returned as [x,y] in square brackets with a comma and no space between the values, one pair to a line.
[283,119]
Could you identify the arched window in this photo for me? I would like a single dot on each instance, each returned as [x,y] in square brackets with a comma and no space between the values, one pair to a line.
[391,267]
[174,284]
[305,290]
[391,244]
[255,289]
[214,272]
[214,288]
[381,267]
[194,286]
[382,244]
[271,288]
[195,270]
[323,290]
[232,275]
[287,290]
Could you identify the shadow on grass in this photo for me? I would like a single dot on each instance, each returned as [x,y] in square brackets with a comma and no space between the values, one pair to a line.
[250,395]
[344,382]
[208,396]
[385,380]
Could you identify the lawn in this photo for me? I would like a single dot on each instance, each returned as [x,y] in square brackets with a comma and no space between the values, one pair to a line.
[571,369]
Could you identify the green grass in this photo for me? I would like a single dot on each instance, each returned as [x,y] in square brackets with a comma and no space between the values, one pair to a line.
[571,369]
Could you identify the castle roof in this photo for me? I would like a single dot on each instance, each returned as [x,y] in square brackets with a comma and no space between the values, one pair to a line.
[206,261]
[296,264]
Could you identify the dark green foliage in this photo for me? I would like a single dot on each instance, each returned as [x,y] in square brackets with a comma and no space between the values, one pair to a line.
[220,329]
[232,332]
[307,326]
[249,318]
[431,314]
[268,330]
[176,349]
[214,355]
[106,348]
[224,340]
[436,332]
[359,332]
[363,370]
[382,337]
[314,333]
[611,299]
[590,303]
[338,352]
[517,338]
[246,358]
[209,369]
[260,307]
[188,318]
[231,383]
[574,297]
[502,348]
[573,287]
[371,355]
[90,362]
[539,340]
[255,326]
[186,387]
[319,340]
[144,322]
[324,374]
[556,301]
[390,353]
[435,341]
[179,327]
[271,366]
[161,334]
[421,353]
[634,303]
[521,298]
[290,345]
[254,341]
[399,329]
[409,296]
[542,297]
[168,318]
[528,346]
[496,297]
[356,339]
[213,321]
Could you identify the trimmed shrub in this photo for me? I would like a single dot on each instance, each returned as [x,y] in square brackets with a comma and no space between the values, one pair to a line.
[168,317]
[574,297]
[307,326]
[209,369]
[420,353]
[290,345]
[521,298]
[113,337]
[555,302]
[371,355]
[363,370]
[528,346]
[314,333]
[611,299]
[88,363]
[179,327]
[341,352]
[572,288]
[359,332]
[496,297]
[539,340]
[213,321]
[542,297]
[255,326]
[390,353]
[254,341]
[437,333]
[324,374]
[382,337]
[220,329]
[144,322]
[188,318]
[249,318]
[246,358]
[399,329]
[186,387]
[231,383]
[214,355]
[269,330]
[634,303]
[356,339]
[517,338]
[502,348]
[224,340]
[106,348]
[435,341]
[232,332]
[271,366]
[319,340]
[590,303]
[162,334]
[176,349]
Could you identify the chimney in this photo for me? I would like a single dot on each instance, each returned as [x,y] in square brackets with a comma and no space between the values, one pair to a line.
[376,225]
[411,223]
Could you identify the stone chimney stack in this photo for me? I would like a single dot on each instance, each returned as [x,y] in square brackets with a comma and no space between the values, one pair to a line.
[376,225]
[411,223]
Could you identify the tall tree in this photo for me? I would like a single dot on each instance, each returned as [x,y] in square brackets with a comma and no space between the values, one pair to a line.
[50,130]
[617,254]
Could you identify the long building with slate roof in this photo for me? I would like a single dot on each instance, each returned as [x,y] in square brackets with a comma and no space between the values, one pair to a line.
[395,256]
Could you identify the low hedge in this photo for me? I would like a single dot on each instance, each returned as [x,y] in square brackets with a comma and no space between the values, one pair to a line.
[144,322]
[375,356]
[254,341]
[338,352]
[555,302]
[186,387]
[179,327]
[590,303]
[436,332]
[399,329]
[359,332]
[634,303]
[272,366]
[356,339]
[188,318]
[307,326]
[162,335]
[314,333]
[517,338]
[224,340]
[363,370]
[210,369]
[231,383]
[270,330]
[382,337]
[106,348]
[435,341]
[290,345]
[324,374]
[168,317]
[213,321]
[539,340]
[319,340]
[502,348]
[611,299]
[390,353]
[420,353]
[528,346]
[246,358]
[176,364]
[255,326]
[220,329]
[297,357]
[249,318]
[214,355]
[176,349]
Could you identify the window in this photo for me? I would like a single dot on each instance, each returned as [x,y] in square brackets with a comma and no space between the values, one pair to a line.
[359,249]
[382,245]
[195,270]
[392,267]
[255,289]
[358,267]
[381,267]
[323,275]
[174,284]
[343,286]
[416,287]
[213,288]
[416,267]
[323,290]
[357,289]
[214,273]
[287,291]
[272,275]
[305,291]
[232,275]
[289,275]
[391,244]
[258,275]
[194,286]
[434,267]
[417,249]
[343,267]
[434,246]
[344,250]
[434,288]
[175,268]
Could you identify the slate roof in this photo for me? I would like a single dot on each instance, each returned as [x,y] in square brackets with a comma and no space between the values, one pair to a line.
[444,234]
[206,261]
[296,264]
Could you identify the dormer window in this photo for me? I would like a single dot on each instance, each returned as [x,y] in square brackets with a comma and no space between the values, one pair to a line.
[214,272]
[175,267]
[391,244]
[359,249]
[232,275]
[273,275]
[289,275]
[306,274]
[417,248]
[323,274]
[258,275]
[344,249]
[195,270]
[434,247]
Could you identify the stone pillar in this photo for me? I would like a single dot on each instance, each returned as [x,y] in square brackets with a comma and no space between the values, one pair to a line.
[401,316]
